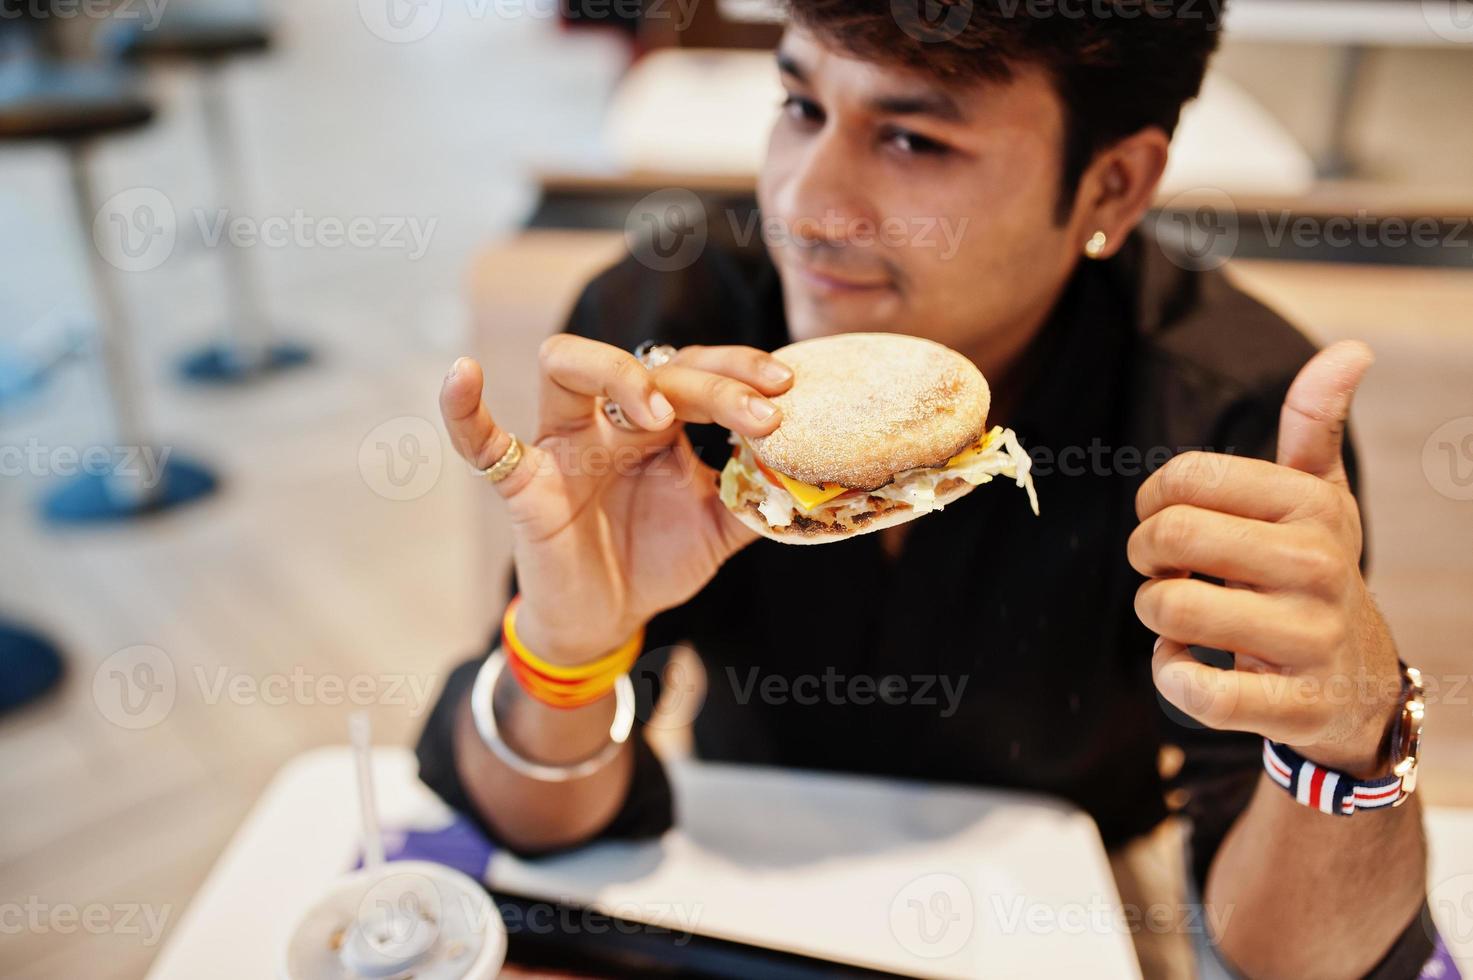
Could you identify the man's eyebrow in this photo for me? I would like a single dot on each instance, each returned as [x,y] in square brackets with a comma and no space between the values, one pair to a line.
[788,65]
[937,104]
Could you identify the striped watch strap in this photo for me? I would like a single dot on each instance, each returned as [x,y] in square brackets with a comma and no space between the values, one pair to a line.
[1325,789]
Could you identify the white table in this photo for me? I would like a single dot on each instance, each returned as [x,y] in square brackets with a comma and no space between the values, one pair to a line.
[819,864]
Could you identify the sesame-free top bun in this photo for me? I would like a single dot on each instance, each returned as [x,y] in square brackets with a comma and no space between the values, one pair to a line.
[865,406]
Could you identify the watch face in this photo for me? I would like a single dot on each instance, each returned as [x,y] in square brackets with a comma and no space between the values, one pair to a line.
[1406,746]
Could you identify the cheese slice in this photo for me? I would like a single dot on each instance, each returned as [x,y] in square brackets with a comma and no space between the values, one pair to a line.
[808,495]
[971,453]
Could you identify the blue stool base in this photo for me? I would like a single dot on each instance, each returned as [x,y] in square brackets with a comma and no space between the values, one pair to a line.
[85,499]
[29,667]
[18,382]
[219,364]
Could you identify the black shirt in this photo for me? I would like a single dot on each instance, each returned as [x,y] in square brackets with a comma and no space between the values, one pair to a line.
[998,649]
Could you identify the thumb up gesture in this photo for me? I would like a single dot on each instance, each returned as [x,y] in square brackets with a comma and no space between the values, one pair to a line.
[1316,668]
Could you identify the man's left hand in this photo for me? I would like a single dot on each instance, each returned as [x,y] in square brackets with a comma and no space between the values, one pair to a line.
[1316,668]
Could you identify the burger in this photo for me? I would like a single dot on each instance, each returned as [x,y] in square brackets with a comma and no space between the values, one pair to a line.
[877,429]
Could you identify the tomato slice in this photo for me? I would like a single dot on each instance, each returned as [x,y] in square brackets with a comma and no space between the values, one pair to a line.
[771,476]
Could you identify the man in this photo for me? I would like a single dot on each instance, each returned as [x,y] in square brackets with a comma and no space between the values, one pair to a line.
[1041,137]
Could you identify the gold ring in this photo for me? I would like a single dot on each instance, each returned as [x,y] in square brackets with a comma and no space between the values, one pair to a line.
[501,469]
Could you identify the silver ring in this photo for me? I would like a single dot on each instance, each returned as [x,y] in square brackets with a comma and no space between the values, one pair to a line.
[651,354]
[483,712]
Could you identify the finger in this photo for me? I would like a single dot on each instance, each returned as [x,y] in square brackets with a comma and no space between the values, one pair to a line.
[1241,485]
[473,432]
[1312,424]
[746,364]
[699,396]
[576,371]
[1220,699]
[1182,538]
[1285,630]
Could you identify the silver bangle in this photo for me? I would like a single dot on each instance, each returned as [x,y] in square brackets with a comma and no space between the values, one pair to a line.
[484,713]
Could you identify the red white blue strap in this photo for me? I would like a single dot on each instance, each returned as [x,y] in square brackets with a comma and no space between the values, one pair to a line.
[1325,789]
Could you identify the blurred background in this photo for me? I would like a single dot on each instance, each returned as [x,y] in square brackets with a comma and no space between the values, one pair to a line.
[240,242]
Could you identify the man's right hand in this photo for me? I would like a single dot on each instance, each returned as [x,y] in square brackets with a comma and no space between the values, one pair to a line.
[612,527]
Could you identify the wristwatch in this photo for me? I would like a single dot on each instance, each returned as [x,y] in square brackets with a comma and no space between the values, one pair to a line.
[1335,792]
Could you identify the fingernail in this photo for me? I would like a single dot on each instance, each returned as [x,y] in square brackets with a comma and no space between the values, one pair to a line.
[455,368]
[776,372]
[660,406]
[1159,640]
[760,408]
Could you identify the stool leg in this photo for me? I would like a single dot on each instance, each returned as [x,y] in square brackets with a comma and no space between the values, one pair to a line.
[250,335]
[247,350]
[113,340]
[1336,161]
[139,478]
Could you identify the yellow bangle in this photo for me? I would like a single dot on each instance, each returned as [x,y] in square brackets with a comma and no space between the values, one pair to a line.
[566,686]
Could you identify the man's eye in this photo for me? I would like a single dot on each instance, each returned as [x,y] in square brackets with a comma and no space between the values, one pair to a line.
[915,144]
[801,109]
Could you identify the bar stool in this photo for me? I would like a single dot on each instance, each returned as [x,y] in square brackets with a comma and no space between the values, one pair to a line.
[76,106]
[207,39]
[29,666]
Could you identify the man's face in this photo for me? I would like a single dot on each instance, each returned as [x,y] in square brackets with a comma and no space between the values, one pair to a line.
[893,203]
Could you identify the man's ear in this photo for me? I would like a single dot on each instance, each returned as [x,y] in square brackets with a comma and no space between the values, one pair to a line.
[1119,186]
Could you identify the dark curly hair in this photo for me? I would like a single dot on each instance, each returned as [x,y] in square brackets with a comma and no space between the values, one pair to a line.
[1118,65]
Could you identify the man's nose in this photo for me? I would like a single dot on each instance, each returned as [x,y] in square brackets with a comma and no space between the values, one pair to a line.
[822,199]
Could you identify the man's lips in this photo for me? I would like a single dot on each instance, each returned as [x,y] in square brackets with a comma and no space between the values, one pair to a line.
[837,281]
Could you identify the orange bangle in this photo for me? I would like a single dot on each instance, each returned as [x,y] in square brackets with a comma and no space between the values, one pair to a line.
[566,686]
